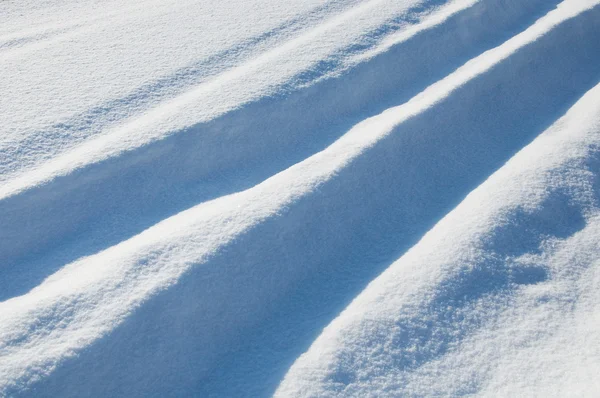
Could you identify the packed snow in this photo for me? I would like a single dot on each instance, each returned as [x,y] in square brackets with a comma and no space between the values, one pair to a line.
[314,198]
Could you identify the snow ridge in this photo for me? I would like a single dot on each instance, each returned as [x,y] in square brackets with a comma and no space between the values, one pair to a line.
[199,245]
[491,277]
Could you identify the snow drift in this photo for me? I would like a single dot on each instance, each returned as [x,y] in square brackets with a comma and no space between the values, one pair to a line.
[349,198]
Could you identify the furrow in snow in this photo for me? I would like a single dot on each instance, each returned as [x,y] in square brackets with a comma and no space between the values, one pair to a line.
[494,300]
[89,298]
[28,146]
[104,203]
[260,75]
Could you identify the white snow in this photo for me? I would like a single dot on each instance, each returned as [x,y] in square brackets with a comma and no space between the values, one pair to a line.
[312,198]
[499,298]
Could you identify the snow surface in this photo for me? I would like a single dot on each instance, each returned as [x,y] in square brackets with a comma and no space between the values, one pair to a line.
[311,198]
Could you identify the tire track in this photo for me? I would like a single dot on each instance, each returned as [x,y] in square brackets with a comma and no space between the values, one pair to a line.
[110,113]
[495,279]
[90,297]
[103,204]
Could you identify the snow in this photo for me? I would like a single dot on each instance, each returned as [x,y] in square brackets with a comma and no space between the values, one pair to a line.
[315,198]
[499,298]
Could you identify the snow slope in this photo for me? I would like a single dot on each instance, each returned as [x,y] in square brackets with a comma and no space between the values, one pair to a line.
[349,198]
[499,298]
